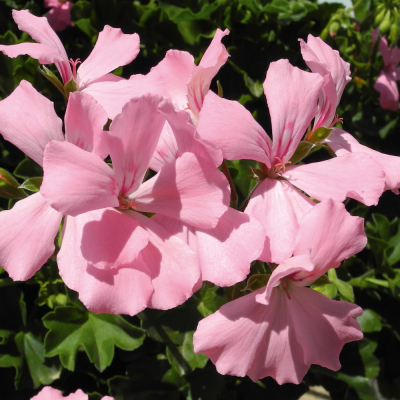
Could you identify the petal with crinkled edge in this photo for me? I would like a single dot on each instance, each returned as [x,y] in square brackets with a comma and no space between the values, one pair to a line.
[280,340]
[291,110]
[134,135]
[84,122]
[116,291]
[232,129]
[49,393]
[173,192]
[174,267]
[355,175]
[27,233]
[342,143]
[257,335]
[279,207]
[29,122]
[112,50]
[76,181]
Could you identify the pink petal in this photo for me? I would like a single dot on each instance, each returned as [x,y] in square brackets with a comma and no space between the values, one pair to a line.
[112,50]
[59,16]
[174,193]
[326,56]
[291,110]
[40,31]
[38,126]
[216,54]
[117,291]
[111,239]
[259,336]
[133,139]
[330,235]
[386,85]
[27,233]
[41,52]
[213,59]
[179,136]
[280,340]
[328,99]
[173,265]
[48,393]
[76,181]
[279,207]
[351,175]
[173,74]
[112,94]
[225,252]
[342,143]
[231,128]
[84,122]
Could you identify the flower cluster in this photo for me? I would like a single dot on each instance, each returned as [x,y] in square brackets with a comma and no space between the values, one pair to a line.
[144,210]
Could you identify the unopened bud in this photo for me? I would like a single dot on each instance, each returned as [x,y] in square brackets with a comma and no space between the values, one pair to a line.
[380,15]
[384,26]
[53,79]
[70,86]
[333,28]
[319,135]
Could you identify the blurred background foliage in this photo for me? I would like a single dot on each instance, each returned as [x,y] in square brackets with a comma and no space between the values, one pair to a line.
[48,337]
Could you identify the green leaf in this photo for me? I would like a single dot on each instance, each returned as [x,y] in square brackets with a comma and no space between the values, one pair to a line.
[28,169]
[257,281]
[183,357]
[346,290]
[360,384]
[32,184]
[369,321]
[208,300]
[362,8]
[366,349]
[70,328]
[9,186]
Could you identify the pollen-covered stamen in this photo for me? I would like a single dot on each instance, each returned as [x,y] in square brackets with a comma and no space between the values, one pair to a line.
[74,64]
[280,166]
[336,120]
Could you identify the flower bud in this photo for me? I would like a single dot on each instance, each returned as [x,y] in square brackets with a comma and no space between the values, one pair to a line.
[384,26]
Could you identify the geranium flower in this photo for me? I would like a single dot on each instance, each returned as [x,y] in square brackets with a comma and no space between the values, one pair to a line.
[282,329]
[276,202]
[59,16]
[94,71]
[105,204]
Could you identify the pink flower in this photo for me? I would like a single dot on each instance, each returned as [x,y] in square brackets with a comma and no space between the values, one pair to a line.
[59,16]
[386,83]
[276,202]
[226,251]
[27,231]
[327,62]
[280,330]
[48,393]
[115,270]
[112,49]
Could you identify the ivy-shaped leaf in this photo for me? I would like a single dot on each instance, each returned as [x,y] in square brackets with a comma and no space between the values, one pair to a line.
[70,328]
